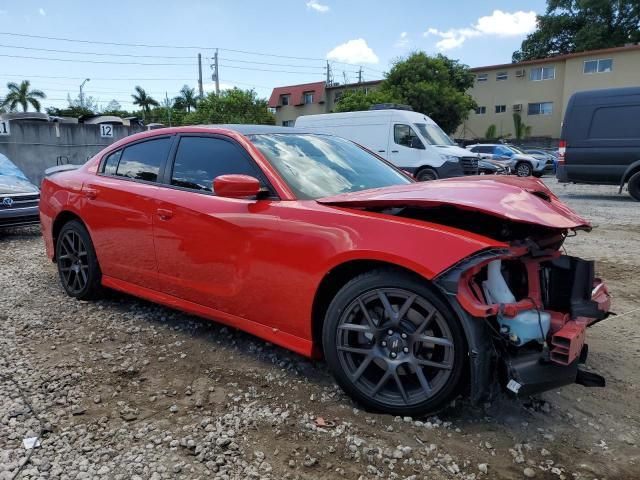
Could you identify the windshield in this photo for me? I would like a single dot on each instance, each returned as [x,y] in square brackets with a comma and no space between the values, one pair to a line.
[317,166]
[433,134]
[9,169]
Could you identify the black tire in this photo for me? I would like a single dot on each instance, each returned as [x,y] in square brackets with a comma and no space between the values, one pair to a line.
[523,169]
[399,346]
[78,266]
[634,186]
[426,175]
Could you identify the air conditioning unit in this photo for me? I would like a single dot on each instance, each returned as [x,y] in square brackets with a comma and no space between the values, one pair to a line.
[517,107]
[520,73]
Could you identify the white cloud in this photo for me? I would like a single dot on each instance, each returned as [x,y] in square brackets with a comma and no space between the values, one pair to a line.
[499,24]
[353,51]
[403,40]
[42,12]
[317,6]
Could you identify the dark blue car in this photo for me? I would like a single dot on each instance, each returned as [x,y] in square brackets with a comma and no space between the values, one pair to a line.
[19,197]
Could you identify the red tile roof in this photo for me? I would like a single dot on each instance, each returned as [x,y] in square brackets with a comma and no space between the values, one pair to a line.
[297,93]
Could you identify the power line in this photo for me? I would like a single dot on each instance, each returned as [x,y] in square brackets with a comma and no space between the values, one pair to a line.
[188,47]
[102,78]
[93,53]
[93,61]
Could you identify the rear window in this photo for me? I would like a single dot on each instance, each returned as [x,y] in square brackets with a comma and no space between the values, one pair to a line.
[142,161]
[615,122]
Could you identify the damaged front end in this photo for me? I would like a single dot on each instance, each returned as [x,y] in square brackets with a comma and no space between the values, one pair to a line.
[537,305]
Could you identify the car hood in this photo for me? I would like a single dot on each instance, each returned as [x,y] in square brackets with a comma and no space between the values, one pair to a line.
[455,150]
[10,184]
[526,200]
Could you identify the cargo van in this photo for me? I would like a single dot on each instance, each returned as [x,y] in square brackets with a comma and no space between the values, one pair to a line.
[409,140]
[600,140]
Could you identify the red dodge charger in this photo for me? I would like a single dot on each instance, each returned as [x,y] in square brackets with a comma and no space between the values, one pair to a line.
[412,292]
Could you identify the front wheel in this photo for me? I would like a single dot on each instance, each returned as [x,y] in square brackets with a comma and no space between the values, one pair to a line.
[634,186]
[77,262]
[393,345]
[426,175]
[524,169]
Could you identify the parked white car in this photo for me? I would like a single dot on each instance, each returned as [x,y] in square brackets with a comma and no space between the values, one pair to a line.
[412,141]
[520,163]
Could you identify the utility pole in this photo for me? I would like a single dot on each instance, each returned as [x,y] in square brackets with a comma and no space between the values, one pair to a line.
[166,101]
[200,75]
[329,81]
[360,75]
[217,72]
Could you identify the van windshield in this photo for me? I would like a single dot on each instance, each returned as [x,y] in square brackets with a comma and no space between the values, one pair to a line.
[433,134]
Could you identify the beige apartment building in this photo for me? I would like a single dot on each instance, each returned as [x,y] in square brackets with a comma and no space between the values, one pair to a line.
[540,89]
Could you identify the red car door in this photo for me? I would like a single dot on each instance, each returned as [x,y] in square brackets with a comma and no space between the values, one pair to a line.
[204,243]
[119,210]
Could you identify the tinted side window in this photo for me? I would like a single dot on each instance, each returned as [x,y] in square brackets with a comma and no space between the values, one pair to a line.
[616,122]
[201,159]
[111,163]
[142,161]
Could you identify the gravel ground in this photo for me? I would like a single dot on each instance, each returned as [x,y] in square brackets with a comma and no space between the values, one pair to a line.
[124,389]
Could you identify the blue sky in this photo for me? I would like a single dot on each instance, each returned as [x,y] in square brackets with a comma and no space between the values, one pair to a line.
[369,33]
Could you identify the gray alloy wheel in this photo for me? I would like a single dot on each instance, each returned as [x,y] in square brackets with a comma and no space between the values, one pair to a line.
[395,348]
[77,263]
[524,169]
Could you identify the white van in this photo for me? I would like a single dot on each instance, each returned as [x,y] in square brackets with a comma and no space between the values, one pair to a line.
[409,140]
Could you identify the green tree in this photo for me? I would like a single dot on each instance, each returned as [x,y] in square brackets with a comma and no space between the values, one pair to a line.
[186,100]
[491,133]
[144,101]
[231,106]
[22,94]
[520,129]
[435,86]
[569,26]
[357,100]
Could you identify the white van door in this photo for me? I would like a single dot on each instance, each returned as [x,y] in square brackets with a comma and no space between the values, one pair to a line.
[405,147]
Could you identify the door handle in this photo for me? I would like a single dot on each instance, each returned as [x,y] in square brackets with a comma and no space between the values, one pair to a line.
[381,151]
[394,151]
[90,193]
[164,214]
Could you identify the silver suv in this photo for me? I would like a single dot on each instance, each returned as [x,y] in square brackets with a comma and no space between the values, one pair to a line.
[520,163]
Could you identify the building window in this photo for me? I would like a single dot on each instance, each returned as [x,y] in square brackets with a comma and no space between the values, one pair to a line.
[288,123]
[481,110]
[501,108]
[542,108]
[598,66]
[502,76]
[542,73]
[482,77]
[284,100]
[308,98]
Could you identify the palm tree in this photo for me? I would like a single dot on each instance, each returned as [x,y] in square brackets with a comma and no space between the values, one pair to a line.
[143,100]
[23,95]
[187,99]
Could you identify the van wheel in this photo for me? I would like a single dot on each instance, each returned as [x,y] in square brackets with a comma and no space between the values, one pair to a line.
[634,186]
[426,174]
[523,169]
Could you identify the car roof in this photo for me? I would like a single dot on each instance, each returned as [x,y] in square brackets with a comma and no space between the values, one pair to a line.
[244,129]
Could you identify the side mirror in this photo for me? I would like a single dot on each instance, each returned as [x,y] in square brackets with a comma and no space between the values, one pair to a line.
[236,186]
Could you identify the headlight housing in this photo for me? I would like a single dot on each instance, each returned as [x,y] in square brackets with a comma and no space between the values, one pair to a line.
[449,158]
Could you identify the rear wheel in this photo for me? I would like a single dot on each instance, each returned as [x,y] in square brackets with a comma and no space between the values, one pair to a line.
[393,345]
[634,186]
[524,169]
[77,262]
[426,174]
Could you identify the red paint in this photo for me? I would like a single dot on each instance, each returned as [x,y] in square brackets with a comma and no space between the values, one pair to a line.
[256,264]
[236,186]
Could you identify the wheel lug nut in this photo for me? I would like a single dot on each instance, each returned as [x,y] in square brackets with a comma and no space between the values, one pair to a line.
[390,332]
[393,355]
[405,350]
[404,335]
[383,343]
